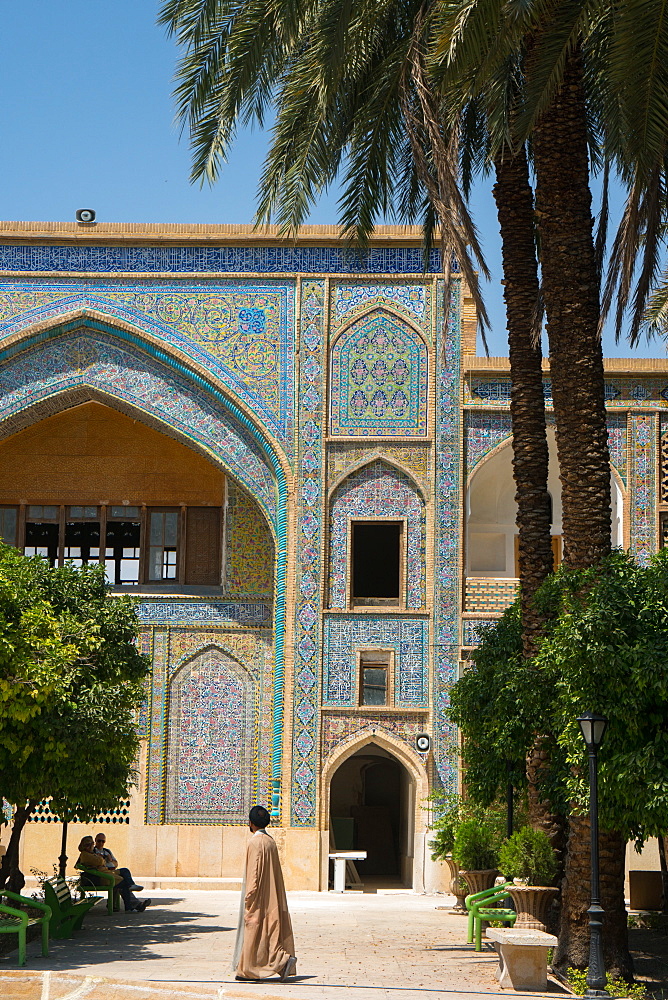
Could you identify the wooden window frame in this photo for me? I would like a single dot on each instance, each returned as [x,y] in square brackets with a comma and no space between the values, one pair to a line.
[364,654]
[400,604]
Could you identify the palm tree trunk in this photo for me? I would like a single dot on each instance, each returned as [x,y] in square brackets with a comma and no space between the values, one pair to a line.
[514,202]
[573,947]
[571,293]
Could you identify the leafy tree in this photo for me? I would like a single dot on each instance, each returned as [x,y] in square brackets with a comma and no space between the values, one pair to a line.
[606,646]
[70,684]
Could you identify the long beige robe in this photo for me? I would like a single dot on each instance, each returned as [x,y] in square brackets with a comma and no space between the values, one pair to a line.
[264,939]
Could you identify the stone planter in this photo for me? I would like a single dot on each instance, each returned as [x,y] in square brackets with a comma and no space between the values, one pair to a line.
[456,887]
[533,904]
[479,880]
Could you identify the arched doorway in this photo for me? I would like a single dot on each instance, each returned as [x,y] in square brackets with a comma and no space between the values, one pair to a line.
[372,808]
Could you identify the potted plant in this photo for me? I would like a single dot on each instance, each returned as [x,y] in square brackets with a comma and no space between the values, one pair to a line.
[445,829]
[528,859]
[475,851]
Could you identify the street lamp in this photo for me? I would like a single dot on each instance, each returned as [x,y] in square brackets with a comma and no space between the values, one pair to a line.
[593,728]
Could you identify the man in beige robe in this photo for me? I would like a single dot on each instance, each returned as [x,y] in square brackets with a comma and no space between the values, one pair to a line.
[265,945]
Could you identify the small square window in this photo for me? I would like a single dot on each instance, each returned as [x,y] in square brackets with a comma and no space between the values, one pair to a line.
[375,677]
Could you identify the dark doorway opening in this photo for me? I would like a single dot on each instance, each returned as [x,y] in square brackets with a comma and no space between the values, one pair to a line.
[376,561]
[371,809]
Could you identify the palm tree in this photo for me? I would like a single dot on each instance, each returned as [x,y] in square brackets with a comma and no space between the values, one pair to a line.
[341,81]
[348,87]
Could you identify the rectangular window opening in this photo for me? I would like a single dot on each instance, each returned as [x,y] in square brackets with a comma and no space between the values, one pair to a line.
[82,541]
[376,563]
[42,540]
[163,535]
[8,525]
[374,677]
[122,552]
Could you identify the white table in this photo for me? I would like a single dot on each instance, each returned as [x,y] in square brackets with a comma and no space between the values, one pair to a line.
[339,858]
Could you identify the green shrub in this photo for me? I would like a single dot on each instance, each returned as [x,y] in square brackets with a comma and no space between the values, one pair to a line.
[445,824]
[475,846]
[577,980]
[528,855]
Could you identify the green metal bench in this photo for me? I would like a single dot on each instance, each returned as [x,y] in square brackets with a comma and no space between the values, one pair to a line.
[108,885]
[16,921]
[66,915]
[479,905]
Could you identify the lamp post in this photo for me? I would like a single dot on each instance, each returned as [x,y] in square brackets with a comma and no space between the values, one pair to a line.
[593,728]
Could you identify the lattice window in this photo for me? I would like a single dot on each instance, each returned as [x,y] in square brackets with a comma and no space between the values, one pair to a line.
[663,533]
[43,814]
[664,469]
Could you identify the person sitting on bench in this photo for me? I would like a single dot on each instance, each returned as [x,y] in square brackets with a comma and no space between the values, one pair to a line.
[124,880]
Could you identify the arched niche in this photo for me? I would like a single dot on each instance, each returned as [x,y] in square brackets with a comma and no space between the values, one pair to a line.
[374,496]
[211,741]
[379,378]
[491,512]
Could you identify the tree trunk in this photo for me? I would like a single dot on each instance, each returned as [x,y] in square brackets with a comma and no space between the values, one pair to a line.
[514,202]
[573,947]
[571,294]
[10,873]
[664,873]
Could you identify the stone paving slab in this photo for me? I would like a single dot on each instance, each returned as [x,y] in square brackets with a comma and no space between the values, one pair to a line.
[361,946]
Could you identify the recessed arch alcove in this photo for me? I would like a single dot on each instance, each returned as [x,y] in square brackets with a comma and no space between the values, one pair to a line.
[491,512]
[53,373]
[374,786]
[211,744]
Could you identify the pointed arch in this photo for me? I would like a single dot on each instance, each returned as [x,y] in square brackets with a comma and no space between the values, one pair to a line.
[414,816]
[87,355]
[379,376]
[378,455]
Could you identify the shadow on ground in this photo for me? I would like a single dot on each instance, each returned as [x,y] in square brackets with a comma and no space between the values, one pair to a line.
[127,937]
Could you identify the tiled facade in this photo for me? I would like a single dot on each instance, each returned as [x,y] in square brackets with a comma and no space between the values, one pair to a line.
[328,385]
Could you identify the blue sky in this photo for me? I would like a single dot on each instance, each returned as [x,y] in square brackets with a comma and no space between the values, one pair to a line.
[86,118]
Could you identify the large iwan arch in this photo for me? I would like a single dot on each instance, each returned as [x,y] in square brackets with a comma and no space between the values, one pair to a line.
[60,366]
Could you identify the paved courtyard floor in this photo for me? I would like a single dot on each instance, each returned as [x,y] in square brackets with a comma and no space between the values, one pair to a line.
[395,945]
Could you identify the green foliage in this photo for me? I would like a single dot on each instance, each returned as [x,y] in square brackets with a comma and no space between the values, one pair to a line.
[606,649]
[577,980]
[476,846]
[528,855]
[445,823]
[71,681]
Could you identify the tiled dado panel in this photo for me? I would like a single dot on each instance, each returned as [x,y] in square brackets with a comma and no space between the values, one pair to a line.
[241,332]
[377,490]
[345,635]
[209,738]
[472,629]
[309,544]
[643,456]
[379,377]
